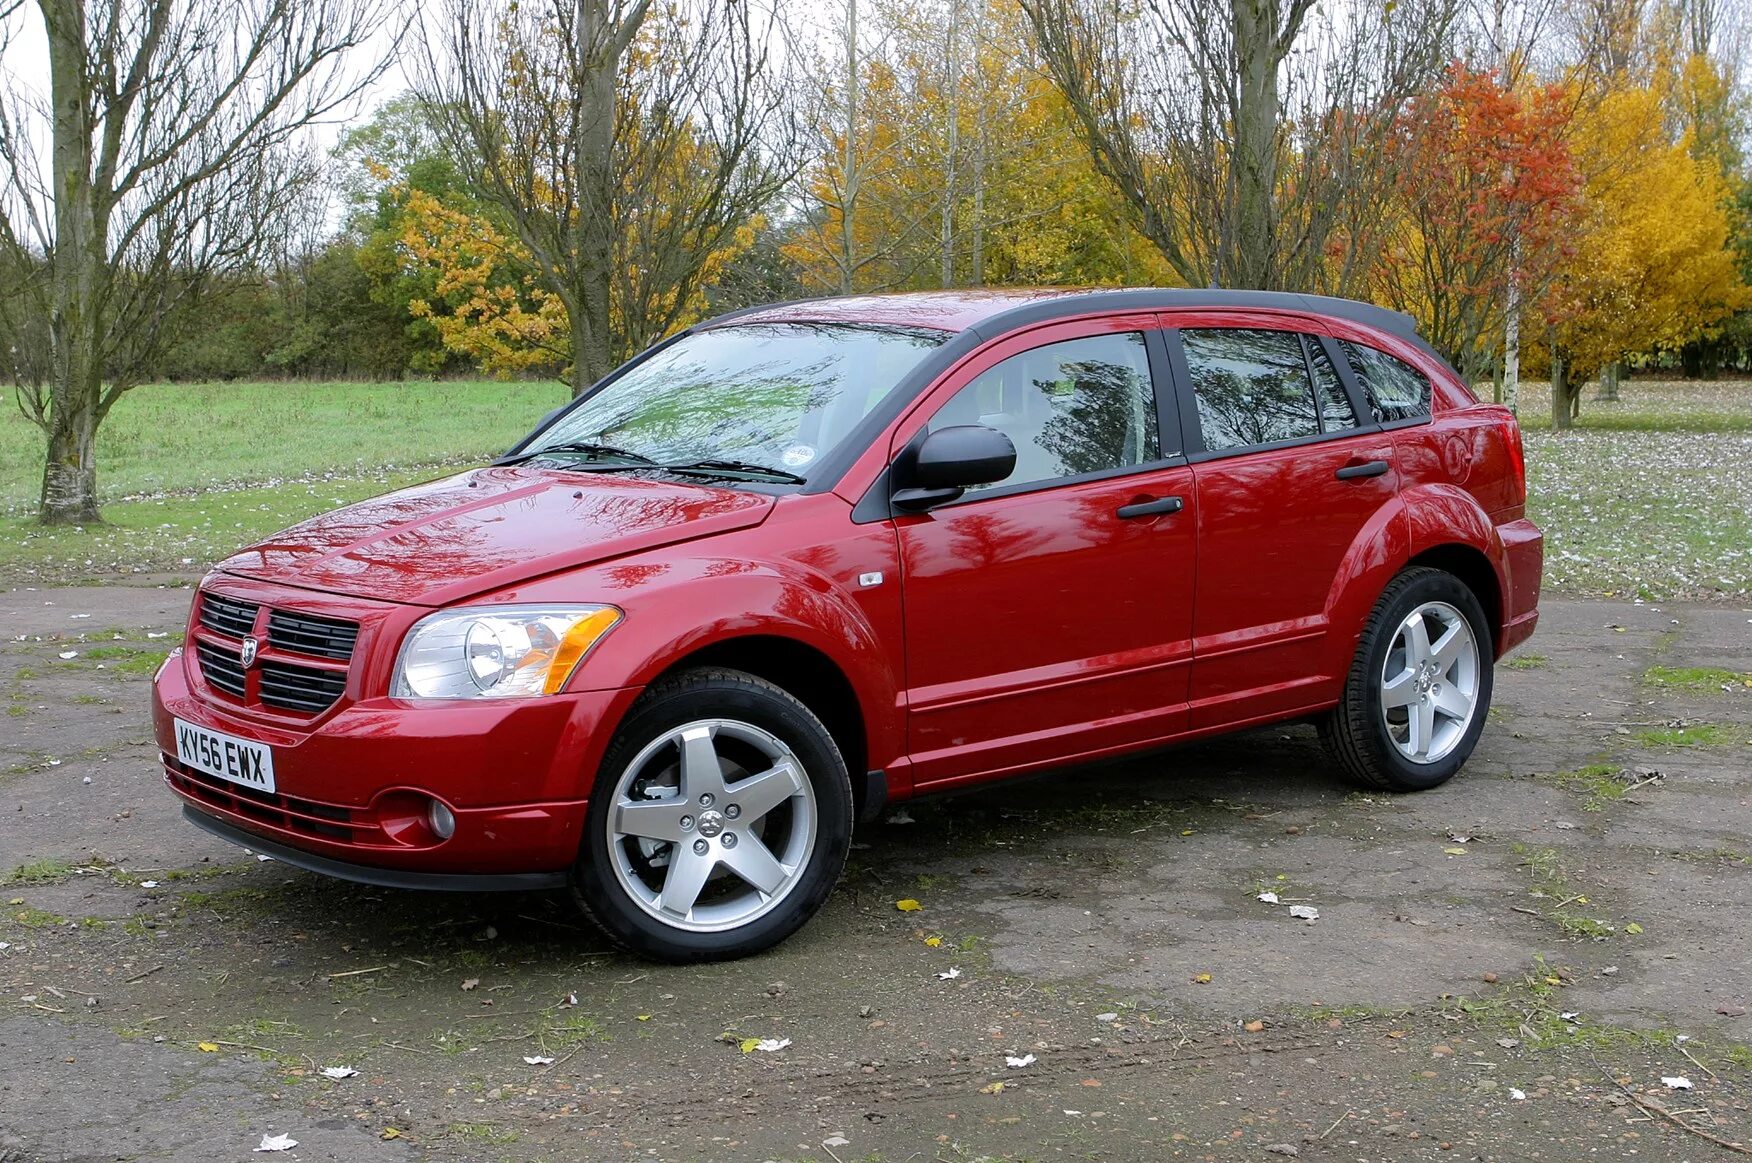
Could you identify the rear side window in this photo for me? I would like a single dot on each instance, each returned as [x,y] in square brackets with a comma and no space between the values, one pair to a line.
[1252,387]
[1335,405]
[1080,406]
[1393,388]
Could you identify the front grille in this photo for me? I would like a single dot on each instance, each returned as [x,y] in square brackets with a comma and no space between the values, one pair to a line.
[312,634]
[300,688]
[223,670]
[329,821]
[282,684]
[228,616]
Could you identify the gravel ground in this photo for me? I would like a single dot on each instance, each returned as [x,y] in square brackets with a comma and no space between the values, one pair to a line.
[1518,994]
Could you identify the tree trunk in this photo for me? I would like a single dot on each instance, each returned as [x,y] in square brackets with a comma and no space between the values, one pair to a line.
[850,174]
[1511,393]
[593,156]
[76,273]
[952,148]
[1253,166]
[1609,380]
[1560,390]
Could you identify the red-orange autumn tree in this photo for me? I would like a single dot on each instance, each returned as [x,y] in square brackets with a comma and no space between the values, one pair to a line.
[1487,192]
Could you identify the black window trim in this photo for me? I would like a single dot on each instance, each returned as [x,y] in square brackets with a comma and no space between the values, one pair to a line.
[1197,453]
[874,504]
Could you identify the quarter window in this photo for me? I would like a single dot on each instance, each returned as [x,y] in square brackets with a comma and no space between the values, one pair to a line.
[1393,388]
[1252,387]
[1070,408]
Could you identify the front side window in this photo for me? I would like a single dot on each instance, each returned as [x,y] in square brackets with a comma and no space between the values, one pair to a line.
[1393,388]
[779,395]
[1252,387]
[1080,406]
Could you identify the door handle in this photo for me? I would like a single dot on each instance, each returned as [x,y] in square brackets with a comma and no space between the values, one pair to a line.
[1149,508]
[1369,468]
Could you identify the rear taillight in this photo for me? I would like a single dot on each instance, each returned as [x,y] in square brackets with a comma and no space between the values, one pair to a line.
[1517,457]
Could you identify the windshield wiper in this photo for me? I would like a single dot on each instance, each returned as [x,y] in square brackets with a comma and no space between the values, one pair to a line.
[712,467]
[588,448]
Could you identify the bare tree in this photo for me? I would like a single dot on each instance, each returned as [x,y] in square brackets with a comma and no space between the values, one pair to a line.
[173,129]
[1247,135]
[625,144]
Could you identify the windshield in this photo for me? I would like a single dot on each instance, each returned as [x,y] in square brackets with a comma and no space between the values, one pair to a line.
[773,395]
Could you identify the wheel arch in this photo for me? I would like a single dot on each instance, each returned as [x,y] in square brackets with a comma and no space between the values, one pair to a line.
[1475,571]
[807,674]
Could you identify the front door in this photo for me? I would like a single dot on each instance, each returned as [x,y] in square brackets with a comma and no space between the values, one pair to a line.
[1049,616]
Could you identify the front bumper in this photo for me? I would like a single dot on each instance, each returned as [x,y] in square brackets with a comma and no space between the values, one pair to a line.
[351,791]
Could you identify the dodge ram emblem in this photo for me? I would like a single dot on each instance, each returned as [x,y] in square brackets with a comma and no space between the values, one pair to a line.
[248,657]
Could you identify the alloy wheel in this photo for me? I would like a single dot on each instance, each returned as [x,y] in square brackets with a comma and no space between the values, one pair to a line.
[712,825]
[1430,682]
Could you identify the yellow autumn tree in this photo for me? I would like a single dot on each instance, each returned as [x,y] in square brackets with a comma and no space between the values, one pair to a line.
[945,158]
[1651,268]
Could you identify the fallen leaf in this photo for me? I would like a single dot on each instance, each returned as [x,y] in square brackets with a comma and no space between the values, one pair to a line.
[277,1143]
[1396,1033]
[1633,927]
[747,1045]
[933,942]
[949,974]
[537,1060]
[208,1047]
[1201,979]
[909,905]
[471,983]
[339,1072]
[390,1133]
[1455,851]
[992,1088]
[1015,1063]
[644,1017]
[1090,1082]
[1254,1026]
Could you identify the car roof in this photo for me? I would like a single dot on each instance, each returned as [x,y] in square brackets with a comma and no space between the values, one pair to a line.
[992,311]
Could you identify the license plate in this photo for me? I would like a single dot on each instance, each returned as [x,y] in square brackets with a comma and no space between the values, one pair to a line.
[226,756]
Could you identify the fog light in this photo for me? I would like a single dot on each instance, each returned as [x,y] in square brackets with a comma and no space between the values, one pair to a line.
[441,820]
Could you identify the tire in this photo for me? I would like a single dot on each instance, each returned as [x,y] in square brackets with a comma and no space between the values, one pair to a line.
[1393,702]
[730,787]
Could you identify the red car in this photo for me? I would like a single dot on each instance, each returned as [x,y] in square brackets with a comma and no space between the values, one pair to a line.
[803,561]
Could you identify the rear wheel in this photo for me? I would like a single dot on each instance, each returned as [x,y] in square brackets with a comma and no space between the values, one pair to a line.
[719,823]
[1418,692]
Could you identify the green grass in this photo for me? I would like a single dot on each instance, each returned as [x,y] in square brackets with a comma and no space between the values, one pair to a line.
[39,872]
[1526,662]
[1598,783]
[1648,497]
[180,437]
[1697,735]
[1696,678]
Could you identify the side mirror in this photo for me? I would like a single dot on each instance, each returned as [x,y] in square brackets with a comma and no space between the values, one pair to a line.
[946,463]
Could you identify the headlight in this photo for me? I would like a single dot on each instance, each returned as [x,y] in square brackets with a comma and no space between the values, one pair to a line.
[498,652]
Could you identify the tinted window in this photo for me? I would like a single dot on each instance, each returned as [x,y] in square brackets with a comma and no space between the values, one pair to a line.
[1335,406]
[1074,407]
[776,394]
[1252,387]
[1394,389]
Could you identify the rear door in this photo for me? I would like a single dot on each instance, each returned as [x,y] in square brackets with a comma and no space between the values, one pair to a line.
[1049,616]
[1288,482]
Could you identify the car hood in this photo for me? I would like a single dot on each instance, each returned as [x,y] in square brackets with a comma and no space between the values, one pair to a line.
[481,530]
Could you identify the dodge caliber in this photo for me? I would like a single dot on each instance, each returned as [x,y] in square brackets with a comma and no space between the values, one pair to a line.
[800,562]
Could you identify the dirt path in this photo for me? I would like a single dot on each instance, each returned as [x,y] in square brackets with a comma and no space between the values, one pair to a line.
[1106,923]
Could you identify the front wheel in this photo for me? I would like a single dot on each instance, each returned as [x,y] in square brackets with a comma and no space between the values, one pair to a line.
[720,821]
[1418,692]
